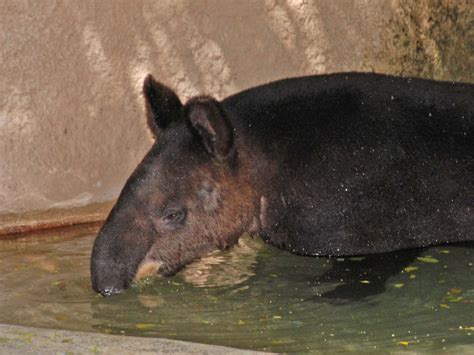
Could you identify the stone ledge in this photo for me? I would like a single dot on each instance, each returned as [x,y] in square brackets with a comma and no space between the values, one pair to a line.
[16,225]
[28,340]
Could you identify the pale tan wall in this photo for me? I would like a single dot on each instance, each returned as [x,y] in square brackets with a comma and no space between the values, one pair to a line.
[72,125]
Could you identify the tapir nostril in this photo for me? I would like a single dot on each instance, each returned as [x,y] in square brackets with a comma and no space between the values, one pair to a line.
[109,291]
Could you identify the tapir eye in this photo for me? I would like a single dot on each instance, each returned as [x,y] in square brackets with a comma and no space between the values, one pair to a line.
[174,217]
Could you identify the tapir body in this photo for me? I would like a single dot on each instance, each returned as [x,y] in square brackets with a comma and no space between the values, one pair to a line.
[341,164]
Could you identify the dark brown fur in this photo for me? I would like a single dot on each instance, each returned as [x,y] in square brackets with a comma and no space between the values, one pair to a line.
[337,164]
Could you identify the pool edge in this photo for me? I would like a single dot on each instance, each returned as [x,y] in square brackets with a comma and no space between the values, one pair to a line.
[20,225]
[30,340]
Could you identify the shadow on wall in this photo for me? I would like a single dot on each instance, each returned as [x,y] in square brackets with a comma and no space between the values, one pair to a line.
[71,112]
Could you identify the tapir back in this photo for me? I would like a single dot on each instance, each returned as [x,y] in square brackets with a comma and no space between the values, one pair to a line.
[365,163]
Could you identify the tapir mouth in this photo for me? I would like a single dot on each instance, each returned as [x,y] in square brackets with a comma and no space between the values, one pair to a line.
[112,273]
[148,268]
[145,269]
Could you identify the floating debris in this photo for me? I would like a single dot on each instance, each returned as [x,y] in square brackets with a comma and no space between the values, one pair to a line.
[282,341]
[454,299]
[145,326]
[427,259]
[455,291]
[59,284]
[61,317]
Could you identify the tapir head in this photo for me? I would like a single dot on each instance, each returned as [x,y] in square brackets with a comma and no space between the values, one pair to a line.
[187,197]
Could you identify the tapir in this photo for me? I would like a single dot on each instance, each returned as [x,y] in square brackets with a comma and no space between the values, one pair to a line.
[327,165]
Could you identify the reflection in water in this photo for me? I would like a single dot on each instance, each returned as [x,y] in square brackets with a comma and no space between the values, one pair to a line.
[254,296]
[366,276]
[231,267]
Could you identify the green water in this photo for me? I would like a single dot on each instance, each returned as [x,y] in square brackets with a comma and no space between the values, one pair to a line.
[254,297]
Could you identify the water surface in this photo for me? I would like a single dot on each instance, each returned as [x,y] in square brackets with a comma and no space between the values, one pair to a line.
[254,297]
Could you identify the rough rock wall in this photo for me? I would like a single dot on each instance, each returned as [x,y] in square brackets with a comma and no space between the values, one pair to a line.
[72,124]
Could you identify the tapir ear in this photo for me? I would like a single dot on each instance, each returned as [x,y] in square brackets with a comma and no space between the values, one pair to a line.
[162,105]
[208,120]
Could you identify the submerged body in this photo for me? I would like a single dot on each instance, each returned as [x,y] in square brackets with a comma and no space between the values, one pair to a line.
[338,164]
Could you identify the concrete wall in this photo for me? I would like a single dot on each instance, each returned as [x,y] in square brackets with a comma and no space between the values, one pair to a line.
[72,124]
